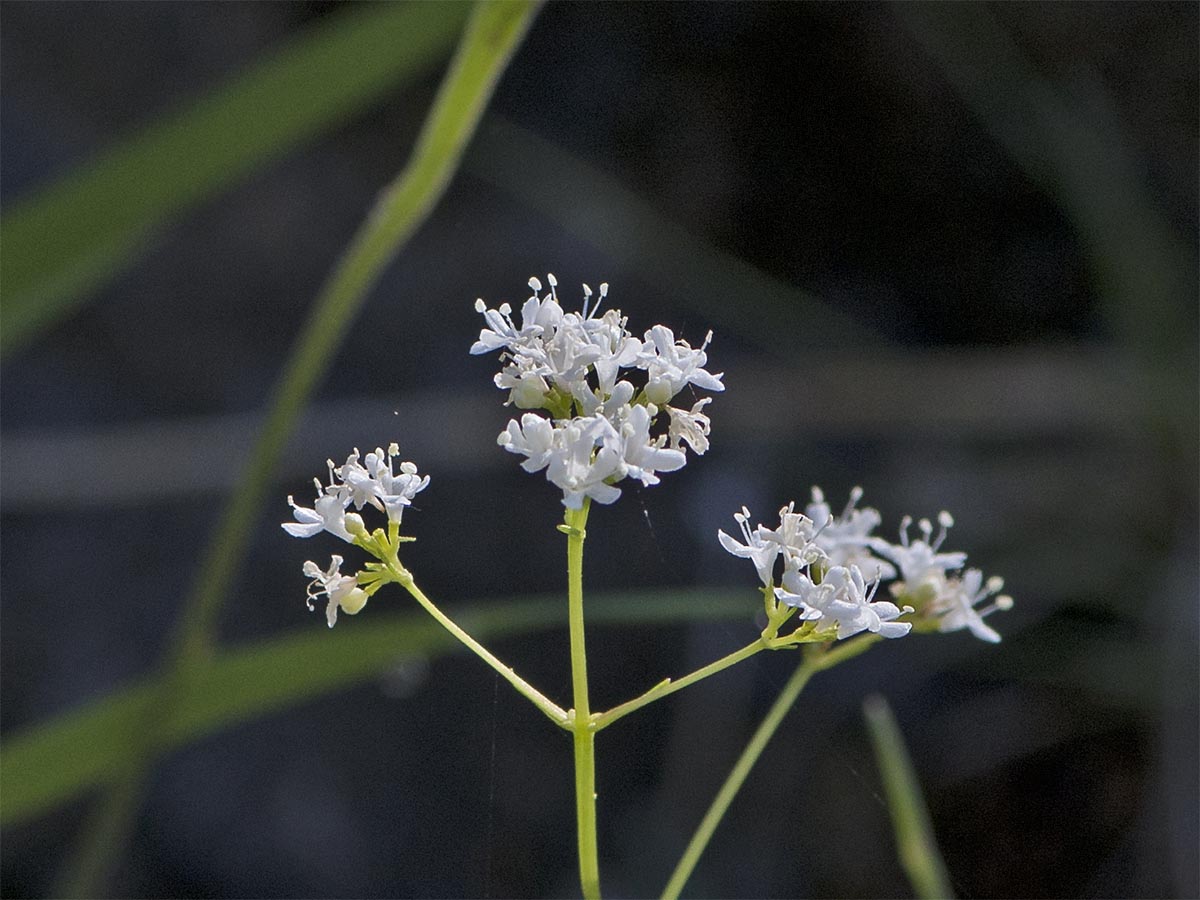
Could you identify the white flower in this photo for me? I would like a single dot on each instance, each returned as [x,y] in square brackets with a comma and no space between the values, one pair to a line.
[919,561]
[327,514]
[526,386]
[537,317]
[843,600]
[794,537]
[642,455]
[806,595]
[374,482]
[831,578]
[342,590]
[671,365]
[534,437]
[578,454]
[855,609]
[587,459]
[617,347]
[759,551]
[691,428]
[604,429]
[956,603]
[846,539]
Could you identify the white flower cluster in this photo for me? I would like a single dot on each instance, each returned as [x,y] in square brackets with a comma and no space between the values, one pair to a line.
[601,428]
[371,482]
[832,568]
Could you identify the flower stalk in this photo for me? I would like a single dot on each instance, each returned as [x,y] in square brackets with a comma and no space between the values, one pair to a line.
[553,711]
[580,718]
[589,429]
[816,659]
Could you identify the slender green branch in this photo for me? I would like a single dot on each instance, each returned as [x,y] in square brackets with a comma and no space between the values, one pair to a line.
[667,687]
[737,777]
[839,653]
[915,842]
[574,523]
[491,36]
[816,659]
[777,615]
[553,711]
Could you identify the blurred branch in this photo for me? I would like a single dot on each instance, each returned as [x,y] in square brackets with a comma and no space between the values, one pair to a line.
[72,236]
[491,37]
[915,842]
[1069,139]
[44,765]
[982,394]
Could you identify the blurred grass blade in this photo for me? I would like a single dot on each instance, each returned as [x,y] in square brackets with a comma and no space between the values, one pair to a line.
[490,38]
[52,762]
[915,842]
[598,209]
[73,235]
[1068,134]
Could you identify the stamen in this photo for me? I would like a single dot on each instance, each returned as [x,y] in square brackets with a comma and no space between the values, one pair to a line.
[1002,604]
[855,495]
[595,309]
[873,589]
[945,520]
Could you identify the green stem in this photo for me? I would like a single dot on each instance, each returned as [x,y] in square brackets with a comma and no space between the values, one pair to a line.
[814,661]
[668,687]
[554,712]
[915,841]
[777,615]
[492,35]
[581,723]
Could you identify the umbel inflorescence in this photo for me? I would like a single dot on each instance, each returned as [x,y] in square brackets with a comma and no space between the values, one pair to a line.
[605,395]
[600,406]
[372,482]
[599,403]
[830,569]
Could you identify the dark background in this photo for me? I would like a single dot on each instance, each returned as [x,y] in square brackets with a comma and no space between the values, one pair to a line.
[918,282]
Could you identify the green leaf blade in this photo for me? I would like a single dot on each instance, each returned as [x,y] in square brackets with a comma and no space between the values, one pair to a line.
[76,233]
[52,762]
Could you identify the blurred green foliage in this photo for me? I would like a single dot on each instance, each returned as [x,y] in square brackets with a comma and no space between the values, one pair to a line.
[917,848]
[44,766]
[70,237]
